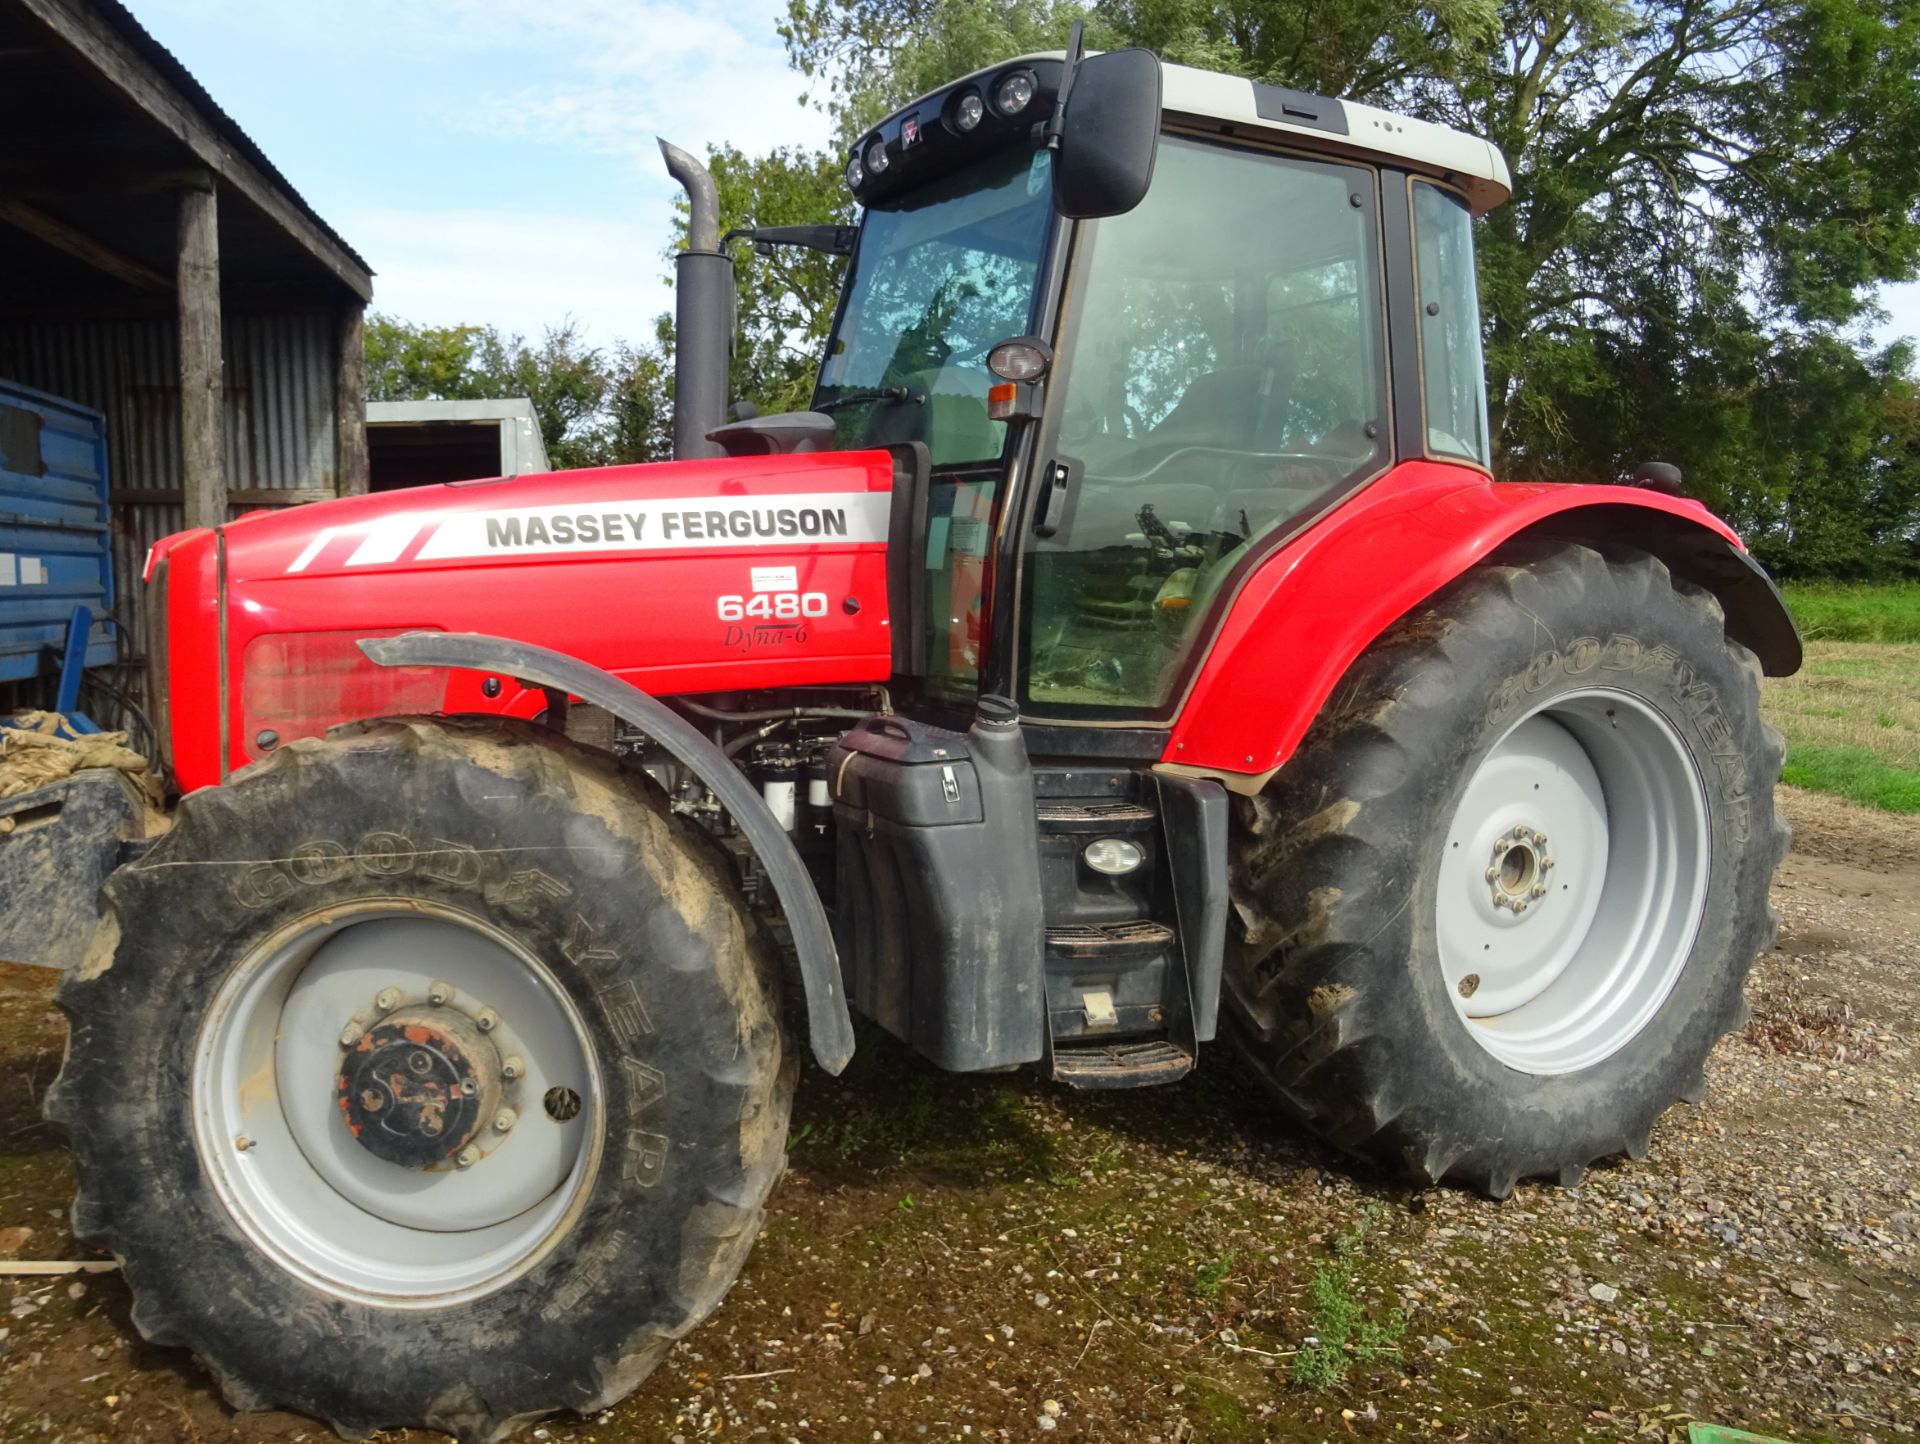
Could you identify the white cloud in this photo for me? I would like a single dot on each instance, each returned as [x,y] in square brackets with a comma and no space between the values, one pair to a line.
[519,271]
[627,72]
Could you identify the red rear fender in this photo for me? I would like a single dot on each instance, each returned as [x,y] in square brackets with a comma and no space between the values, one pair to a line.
[1307,612]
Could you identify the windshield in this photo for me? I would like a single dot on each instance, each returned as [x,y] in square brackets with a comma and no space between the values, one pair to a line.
[938,280]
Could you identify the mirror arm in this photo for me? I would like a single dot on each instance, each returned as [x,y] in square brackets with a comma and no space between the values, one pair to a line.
[1076,47]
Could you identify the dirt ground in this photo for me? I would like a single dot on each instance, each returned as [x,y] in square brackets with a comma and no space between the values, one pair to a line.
[958,1259]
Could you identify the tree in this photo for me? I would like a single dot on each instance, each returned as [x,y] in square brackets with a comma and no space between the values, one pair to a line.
[1706,193]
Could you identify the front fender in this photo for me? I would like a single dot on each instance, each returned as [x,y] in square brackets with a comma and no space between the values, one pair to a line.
[1311,608]
[829,1027]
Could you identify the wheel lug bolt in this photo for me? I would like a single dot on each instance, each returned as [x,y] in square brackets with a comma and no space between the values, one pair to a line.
[513,1068]
[1539,891]
[1501,844]
[350,1034]
[1520,905]
[467,1156]
[243,1143]
[468,1087]
[504,1120]
[1493,874]
[1546,864]
[440,994]
[1499,901]
[387,999]
[487,1021]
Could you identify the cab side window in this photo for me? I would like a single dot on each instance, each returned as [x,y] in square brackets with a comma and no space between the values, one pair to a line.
[1453,373]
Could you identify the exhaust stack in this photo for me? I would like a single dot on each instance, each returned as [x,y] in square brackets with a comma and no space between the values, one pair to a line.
[702,314]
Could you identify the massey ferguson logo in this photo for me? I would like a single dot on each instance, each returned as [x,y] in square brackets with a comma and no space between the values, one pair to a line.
[587,528]
[667,524]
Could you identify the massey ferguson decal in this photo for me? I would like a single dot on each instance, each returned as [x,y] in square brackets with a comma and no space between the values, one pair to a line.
[660,524]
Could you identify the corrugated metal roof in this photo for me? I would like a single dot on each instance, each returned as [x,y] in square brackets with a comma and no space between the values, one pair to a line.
[163,60]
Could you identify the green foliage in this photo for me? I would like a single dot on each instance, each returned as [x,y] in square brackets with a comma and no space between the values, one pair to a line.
[785,300]
[1340,1334]
[1837,612]
[1211,1277]
[1854,773]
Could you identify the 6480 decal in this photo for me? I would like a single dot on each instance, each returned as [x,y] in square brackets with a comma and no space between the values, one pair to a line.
[772,606]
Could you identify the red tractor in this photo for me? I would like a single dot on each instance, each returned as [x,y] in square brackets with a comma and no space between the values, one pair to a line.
[1129,650]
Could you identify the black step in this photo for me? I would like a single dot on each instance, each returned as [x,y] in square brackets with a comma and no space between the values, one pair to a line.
[1084,815]
[1121,1065]
[1116,943]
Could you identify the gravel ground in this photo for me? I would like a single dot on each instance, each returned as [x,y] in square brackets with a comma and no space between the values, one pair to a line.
[958,1259]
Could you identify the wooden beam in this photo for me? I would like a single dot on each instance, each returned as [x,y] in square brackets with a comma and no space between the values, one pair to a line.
[81,246]
[203,432]
[350,398]
[82,28]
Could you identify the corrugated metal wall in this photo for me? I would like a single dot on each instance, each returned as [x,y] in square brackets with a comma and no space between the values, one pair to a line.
[282,420]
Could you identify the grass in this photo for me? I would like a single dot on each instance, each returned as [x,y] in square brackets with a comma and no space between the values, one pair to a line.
[1843,612]
[1852,722]
[1340,1334]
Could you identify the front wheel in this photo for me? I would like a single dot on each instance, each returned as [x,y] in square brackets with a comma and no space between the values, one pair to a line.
[1499,908]
[427,1075]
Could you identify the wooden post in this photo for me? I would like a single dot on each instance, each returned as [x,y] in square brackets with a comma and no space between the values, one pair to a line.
[203,449]
[350,397]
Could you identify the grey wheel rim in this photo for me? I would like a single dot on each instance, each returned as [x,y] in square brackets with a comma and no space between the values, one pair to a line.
[514,1140]
[1573,881]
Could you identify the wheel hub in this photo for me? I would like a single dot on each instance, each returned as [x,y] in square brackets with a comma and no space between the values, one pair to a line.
[1517,874]
[417,1088]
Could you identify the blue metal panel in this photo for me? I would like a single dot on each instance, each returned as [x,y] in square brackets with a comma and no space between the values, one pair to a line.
[55,544]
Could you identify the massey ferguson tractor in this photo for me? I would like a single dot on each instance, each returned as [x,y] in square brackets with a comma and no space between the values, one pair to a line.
[1129,654]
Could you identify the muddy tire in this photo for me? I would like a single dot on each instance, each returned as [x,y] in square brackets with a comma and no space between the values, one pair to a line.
[1494,914]
[427,1075]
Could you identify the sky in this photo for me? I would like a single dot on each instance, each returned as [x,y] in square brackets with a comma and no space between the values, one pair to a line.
[494,160]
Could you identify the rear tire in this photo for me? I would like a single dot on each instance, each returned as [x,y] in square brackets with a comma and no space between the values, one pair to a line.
[432,874]
[1560,700]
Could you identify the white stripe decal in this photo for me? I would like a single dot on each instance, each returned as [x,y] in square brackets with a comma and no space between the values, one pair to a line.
[385,540]
[664,524]
[314,548]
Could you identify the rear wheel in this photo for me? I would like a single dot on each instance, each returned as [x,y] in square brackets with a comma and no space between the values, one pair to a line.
[426,1075]
[1499,907]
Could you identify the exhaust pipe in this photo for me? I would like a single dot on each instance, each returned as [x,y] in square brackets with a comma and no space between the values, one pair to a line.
[702,314]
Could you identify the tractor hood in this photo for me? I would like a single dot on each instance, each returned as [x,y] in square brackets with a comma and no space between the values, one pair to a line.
[680,577]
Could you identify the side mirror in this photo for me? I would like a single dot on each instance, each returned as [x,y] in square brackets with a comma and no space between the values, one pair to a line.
[1109,135]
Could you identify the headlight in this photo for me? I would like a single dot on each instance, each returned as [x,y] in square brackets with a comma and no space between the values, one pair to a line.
[877,160]
[1021,359]
[967,111]
[856,173]
[1114,856]
[1014,93]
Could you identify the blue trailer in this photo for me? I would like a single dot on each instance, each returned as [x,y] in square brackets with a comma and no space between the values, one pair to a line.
[56,554]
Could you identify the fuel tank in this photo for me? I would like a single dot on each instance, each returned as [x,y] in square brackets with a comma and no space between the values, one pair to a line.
[680,577]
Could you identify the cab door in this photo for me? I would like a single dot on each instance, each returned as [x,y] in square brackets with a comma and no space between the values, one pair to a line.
[1222,381]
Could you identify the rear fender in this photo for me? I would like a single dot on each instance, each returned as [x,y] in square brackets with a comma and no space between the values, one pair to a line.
[830,1029]
[1314,606]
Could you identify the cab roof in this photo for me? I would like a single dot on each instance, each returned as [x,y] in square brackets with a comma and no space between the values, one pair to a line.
[1234,104]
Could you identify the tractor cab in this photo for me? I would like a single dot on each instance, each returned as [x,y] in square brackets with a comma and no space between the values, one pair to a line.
[1127,399]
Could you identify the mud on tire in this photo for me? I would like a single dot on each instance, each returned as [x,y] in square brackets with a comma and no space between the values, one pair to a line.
[564,858]
[1335,989]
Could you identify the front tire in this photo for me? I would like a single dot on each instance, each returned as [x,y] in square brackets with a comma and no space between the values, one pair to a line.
[1498,909]
[430,1074]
